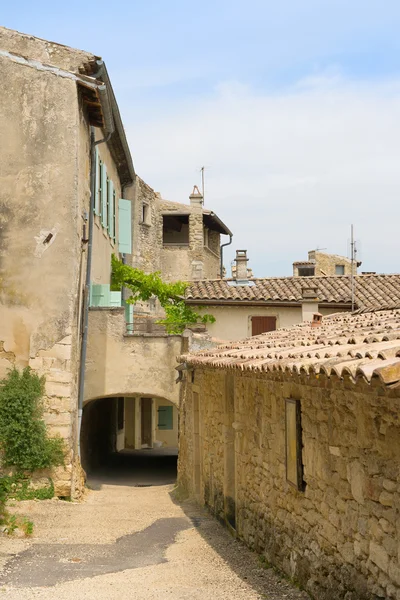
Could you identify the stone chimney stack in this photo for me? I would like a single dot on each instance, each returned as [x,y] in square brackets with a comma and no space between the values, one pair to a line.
[309,302]
[196,199]
[241,261]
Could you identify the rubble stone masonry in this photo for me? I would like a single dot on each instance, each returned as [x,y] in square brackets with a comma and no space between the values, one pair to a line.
[340,536]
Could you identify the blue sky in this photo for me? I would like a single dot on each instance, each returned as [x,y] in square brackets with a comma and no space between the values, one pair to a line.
[293,106]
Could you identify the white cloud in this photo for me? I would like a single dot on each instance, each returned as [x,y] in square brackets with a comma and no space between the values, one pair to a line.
[288,170]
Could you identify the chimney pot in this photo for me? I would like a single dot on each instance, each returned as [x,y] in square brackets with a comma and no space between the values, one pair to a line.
[196,198]
[241,261]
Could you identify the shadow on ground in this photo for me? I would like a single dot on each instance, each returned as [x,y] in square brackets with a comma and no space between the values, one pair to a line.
[137,468]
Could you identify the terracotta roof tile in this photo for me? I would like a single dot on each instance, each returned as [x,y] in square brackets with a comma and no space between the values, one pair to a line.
[372,292]
[360,346]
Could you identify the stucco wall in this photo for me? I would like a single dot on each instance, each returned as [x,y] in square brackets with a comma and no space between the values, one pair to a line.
[41,193]
[120,365]
[339,537]
[234,322]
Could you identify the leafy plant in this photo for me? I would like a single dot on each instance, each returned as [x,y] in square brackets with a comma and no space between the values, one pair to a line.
[170,295]
[24,442]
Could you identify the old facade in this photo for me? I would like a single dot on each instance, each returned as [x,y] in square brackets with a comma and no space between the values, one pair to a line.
[324,264]
[69,200]
[246,306]
[292,439]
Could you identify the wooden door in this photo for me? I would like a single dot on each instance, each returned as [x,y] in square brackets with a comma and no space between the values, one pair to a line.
[262,324]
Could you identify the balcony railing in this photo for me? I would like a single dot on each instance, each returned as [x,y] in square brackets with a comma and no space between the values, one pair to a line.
[146,324]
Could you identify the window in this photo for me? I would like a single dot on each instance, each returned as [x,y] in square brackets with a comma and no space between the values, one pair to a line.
[125,226]
[145,220]
[306,271]
[97,198]
[176,229]
[206,237]
[165,417]
[262,325]
[339,269]
[294,445]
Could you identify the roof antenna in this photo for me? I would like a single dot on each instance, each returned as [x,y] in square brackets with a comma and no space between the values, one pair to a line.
[353,264]
[202,181]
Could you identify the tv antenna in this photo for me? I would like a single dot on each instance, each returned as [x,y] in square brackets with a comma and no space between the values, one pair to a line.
[202,171]
[353,247]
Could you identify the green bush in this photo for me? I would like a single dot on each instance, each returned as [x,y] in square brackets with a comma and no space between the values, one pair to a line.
[24,442]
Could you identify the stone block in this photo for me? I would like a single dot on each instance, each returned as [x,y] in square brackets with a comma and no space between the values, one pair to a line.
[386,498]
[394,572]
[379,556]
[62,390]
[356,478]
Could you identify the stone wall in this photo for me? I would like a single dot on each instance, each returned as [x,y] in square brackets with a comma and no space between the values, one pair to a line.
[340,536]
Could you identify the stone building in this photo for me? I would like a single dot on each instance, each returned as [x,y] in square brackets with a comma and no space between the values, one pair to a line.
[246,306]
[320,263]
[69,200]
[182,241]
[292,438]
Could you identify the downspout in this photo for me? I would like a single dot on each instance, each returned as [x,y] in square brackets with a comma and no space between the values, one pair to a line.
[109,129]
[222,254]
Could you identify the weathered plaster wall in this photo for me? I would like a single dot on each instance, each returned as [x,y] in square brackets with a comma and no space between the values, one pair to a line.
[48,53]
[168,437]
[41,194]
[340,536]
[234,322]
[120,365]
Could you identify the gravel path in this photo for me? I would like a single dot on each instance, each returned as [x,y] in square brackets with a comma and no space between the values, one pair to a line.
[125,542]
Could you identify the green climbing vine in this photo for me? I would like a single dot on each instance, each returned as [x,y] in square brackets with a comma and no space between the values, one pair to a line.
[170,295]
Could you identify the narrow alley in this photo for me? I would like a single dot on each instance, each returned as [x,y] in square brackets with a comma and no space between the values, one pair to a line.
[130,538]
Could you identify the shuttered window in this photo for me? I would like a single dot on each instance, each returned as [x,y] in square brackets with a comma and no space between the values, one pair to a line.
[101,295]
[125,226]
[262,325]
[97,197]
[165,417]
[110,208]
[104,194]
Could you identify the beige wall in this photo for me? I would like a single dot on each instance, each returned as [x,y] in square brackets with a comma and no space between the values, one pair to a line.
[234,322]
[120,365]
[338,536]
[43,165]
[168,437]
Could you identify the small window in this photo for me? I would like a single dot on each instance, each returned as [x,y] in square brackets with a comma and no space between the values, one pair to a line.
[206,237]
[176,229]
[165,417]
[339,269]
[306,271]
[294,444]
[145,214]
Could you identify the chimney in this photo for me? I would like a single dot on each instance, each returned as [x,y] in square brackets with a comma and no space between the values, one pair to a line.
[241,261]
[309,302]
[196,199]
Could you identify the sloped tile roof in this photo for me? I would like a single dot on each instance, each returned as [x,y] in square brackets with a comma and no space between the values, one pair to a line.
[361,346]
[371,291]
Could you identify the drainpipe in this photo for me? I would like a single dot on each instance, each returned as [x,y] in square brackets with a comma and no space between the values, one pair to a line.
[109,128]
[222,253]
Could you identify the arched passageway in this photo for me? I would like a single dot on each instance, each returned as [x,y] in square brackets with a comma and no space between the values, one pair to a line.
[131,440]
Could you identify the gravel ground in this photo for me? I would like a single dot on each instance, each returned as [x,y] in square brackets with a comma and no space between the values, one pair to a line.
[125,542]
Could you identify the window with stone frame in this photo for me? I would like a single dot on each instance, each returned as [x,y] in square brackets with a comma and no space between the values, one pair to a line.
[176,230]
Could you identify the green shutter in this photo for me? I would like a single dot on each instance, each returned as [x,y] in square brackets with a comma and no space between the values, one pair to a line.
[97,185]
[125,226]
[100,294]
[104,195]
[111,209]
[115,299]
[114,216]
[165,417]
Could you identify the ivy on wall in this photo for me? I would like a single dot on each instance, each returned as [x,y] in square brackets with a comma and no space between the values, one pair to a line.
[170,295]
